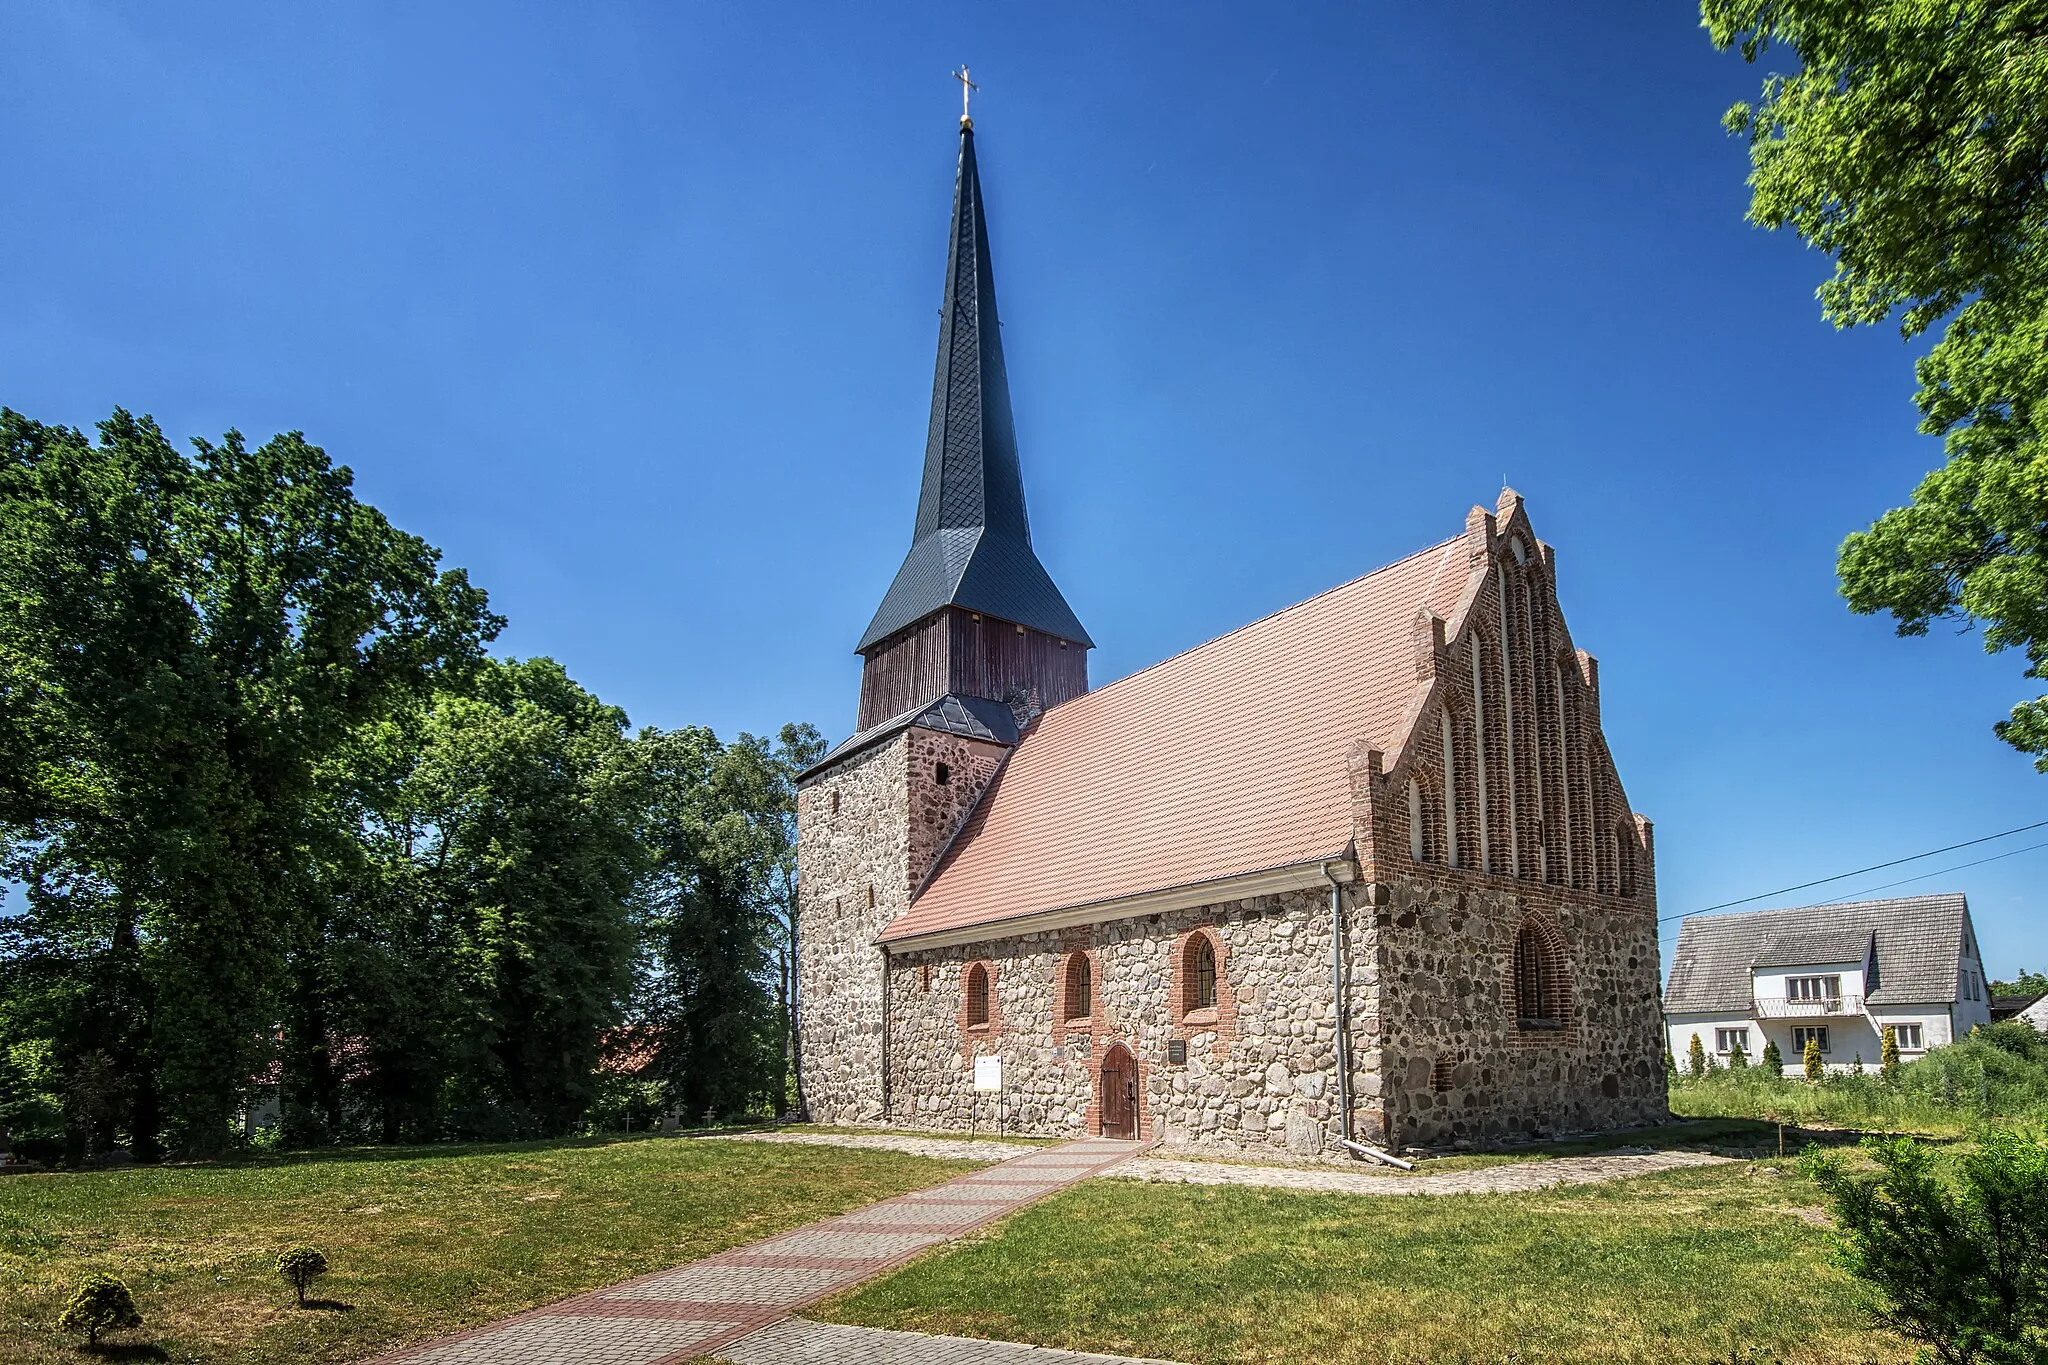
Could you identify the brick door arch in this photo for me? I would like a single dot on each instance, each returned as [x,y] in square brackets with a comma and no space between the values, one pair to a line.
[1117,1097]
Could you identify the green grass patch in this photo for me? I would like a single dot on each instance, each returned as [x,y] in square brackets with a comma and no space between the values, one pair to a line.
[422,1240]
[1705,1265]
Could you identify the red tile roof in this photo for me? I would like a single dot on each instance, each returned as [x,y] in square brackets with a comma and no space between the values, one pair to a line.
[1228,759]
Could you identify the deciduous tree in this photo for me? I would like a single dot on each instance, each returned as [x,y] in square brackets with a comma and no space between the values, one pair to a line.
[1908,141]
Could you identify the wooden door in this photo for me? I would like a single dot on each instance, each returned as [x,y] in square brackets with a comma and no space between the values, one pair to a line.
[1119,1094]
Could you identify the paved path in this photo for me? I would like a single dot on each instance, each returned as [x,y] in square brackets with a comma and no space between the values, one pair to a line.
[955,1149]
[1520,1177]
[706,1306]
[797,1342]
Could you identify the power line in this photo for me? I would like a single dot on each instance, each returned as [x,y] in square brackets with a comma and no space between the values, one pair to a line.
[1874,867]
[2009,853]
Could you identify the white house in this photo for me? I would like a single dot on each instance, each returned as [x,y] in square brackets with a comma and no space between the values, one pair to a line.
[1838,974]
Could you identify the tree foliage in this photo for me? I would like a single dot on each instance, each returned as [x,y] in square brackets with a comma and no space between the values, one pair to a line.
[284,829]
[1910,144]
[1957,1260]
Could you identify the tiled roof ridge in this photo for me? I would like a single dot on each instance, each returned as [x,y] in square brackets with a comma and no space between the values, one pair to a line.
[1881,901]
[1275,614]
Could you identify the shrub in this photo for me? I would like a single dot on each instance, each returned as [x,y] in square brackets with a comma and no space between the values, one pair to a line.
[1696,1057]
[1888,1055]
[101,1303]
[301,1266]
[1815,1068]
[1738,1060]
[1773,1060]
[1959,1263]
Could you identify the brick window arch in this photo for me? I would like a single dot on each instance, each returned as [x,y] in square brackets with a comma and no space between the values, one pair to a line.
[974,995]
[1541,976]
[1078,993]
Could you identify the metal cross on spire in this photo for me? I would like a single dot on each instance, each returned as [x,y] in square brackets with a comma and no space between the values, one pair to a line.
[965,87]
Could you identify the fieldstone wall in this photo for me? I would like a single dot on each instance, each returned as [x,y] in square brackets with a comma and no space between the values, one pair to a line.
[1452,1064]
[853,870]
[938,808]
[1260,1069]
[869,830]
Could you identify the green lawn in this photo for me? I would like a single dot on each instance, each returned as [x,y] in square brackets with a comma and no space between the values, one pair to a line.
[423,1240]
[1709,1265]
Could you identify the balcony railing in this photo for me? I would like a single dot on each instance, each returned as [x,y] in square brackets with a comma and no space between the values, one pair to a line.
[1822,1008]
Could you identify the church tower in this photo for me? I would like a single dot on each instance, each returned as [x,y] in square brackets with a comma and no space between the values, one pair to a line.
[971,642]
[972,613]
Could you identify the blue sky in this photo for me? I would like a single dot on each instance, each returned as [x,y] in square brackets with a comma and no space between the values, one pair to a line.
[631,308]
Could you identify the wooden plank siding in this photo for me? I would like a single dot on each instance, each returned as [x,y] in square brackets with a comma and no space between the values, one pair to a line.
[976,656]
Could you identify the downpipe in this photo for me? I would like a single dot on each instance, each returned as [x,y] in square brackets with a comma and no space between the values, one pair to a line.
[1339,956]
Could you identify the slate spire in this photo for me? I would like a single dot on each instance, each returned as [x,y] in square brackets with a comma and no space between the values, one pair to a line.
[971,546]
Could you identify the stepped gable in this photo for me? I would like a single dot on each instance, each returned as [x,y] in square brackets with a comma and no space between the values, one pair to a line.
[1231,758]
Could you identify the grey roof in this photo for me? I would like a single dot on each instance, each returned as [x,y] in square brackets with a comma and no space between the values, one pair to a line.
[1814,947]
[952,714]
[971,546]
[1919,950]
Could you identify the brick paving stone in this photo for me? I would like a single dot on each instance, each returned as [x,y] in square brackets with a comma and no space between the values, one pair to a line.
[573,1340]
[733,1284]
[795,1341]
[828,1241]
[1519,1178]
[959,1149]
[925,1213]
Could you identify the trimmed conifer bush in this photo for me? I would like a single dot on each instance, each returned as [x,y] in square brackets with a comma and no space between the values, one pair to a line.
[301,1266]
[1815,1068]
[1888,1055]
[1773,1060]
[1696,1056]
[101,1303]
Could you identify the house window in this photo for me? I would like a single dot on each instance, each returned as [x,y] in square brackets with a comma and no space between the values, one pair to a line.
[943,775]
[1080,987]
[1728,1040]
[977,996]
[1539,978]
[1813,988]
[1908,1037]
[1801,1036]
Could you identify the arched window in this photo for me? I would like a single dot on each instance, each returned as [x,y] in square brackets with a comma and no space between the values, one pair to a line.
[1198,974]
[1448,736]
[1080,988]
[1418,832]
[1542,985]
[976,990]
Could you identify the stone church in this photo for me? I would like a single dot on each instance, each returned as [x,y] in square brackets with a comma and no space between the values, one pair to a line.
[1359,873]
